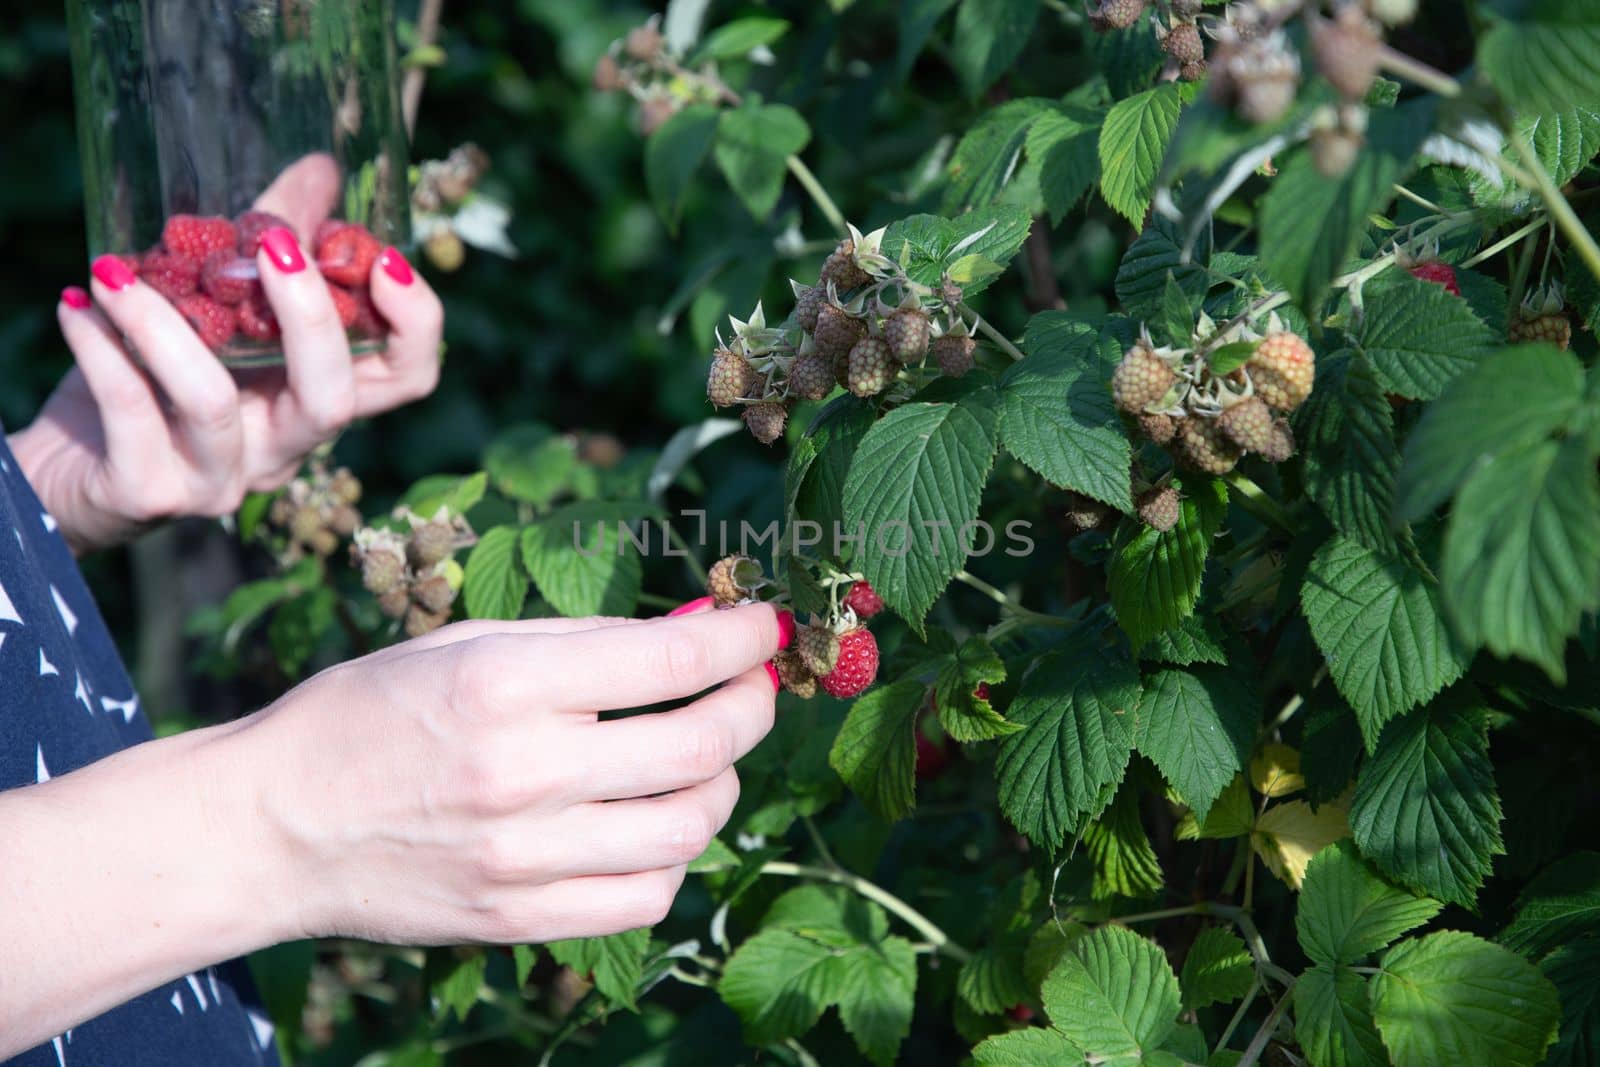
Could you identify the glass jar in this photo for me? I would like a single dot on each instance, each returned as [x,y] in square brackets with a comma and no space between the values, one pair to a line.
[193,113]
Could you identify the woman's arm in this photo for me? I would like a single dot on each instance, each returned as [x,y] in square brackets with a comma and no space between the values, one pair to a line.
[458,788]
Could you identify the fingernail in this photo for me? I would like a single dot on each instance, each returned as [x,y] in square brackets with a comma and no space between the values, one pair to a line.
[785,629]
[691,607]
[772,672]
[283,250]
[112,273]
[395,266]
[75,298]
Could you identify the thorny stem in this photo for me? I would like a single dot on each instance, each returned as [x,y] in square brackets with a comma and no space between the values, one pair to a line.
[1255,500]
[808,181]
[877,894]
[1258,1044]
[1561,211]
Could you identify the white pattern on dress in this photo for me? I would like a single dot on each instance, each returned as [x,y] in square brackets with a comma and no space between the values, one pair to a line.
[46,668]
[8,610]
[42,773]
[68,619]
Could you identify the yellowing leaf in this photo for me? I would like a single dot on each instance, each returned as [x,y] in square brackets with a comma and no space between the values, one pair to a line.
[1287,835]
[1275,771]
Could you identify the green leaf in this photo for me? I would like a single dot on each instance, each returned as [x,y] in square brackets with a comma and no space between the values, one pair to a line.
[992,980]
[673,154]
[1125,864]
[877,991]
[1543,55]
[1078,707]
[1381,626]
[524,958]
[989,36]
[457,495]
[1571,969]
[1064,143]
[1230,357]
[1177,317]
[1418,337]
[1198,728]
[1333,1020]
[456,991]
[779,984]
[988,156]
[928,246]
[616,962]
[1565,141]
[915,485]
[753,146]
[1454,998]
[299,625]
[1347,911]
[531,463]
[1033,1047]
[876,750]
[1132,142]
[1425,808]
[1056,412]
[1512,400]
[1233,815]
[1351,458]
[1522,552]
[836,433]
[1113,994]
[965,716]
[917,21]
[1330,744]
[740,37]
[578,559]
[1142,275]
[1310,224]
[1218,969]
[1559,906]
[1194,640]
[496,585]
[1155,577]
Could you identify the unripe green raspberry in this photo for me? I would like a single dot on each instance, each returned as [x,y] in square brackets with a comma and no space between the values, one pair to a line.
[871,367]
[382,571]
[794,675]
[305,525]
[434,595]
[808,305]
[731,376]
[1141,379]
[1202,446]
[345,486]
[1284,370]
[1160,508]
[818,648]
[1247,424]
[430,545]
[1159,428]
[733,579]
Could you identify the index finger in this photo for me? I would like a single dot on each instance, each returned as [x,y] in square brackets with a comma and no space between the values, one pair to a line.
[622,667]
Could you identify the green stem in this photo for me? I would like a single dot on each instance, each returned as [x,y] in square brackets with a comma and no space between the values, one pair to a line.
[1255,500]
[1258,1044]
[808,181]
[1238,1015]
[690,560]
[1001,340]
[1417,72]
[820,843]
[1202,908]
[1561,211]
[1504,243]
[878,895]
[656,600]
[1011,606]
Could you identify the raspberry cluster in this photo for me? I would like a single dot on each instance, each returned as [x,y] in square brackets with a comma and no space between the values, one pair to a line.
[1210,421]
[316,512]
[206,267]
[1182,40]
[415,577]
[642,65]
[860,327]
[442,188]
[836,653]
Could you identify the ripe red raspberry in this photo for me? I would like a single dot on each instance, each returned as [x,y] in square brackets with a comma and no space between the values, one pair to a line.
[326,229]
[794,675]
[807,306]
[766,421]
[811,376]
[732,579]
[228,279]
[1346,50]
[369,320]
[906,333]
[257,320]
[954,354]
[1247,424]
[251,225]
[731,376]
[863,600]
[836,333]
[933,757]
[1438,273]
[1141,379]
[1284,370]
[171,275]
[841,269]
[871,367]
[346,255]
[1115,14]
[1554,329]
[1160,508]
[215,323]
[1183,43]
[1158,428]
[345,304]
[197,237]
[818,648]
[1020,1013]
[981,691]
[1202,446]
[857,668]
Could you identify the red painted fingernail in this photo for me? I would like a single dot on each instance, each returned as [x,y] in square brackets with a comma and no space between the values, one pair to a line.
[283,250]
[75,298]
[785,629]
[112,273]
[691,607]
[772,672]
[395,266]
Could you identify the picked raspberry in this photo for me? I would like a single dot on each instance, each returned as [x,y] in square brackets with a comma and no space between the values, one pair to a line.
[863,600]
[345,255]
[857,667]
[369,320]
[172,275]
[197,237]
[1439,274]
[345,303]
[215,323]
[227,278]
[257,320]
[251,225]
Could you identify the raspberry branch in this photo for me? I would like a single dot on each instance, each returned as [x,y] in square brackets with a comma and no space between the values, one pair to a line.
[877,894]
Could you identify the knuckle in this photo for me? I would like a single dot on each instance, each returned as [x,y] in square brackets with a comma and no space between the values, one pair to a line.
[656,894]
[707,751]
[684,659]
[498,858]
[486,786]
[332,413]
[690,834]
[216,412]
[479,684]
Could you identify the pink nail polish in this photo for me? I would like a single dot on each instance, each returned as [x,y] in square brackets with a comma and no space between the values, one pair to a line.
[772,672]
[283,250]
[785,629]
[75,298]
[691,607]
[395,266]
[112,273]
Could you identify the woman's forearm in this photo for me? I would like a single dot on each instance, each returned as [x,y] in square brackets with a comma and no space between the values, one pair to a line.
[128,874]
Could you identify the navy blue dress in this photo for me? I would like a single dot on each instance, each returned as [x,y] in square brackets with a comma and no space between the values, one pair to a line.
[66,701]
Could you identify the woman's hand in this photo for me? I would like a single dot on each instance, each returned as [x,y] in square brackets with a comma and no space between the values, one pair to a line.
[462,787]
[124,443]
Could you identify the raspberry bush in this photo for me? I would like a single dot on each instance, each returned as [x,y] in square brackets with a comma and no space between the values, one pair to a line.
[1181,426]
